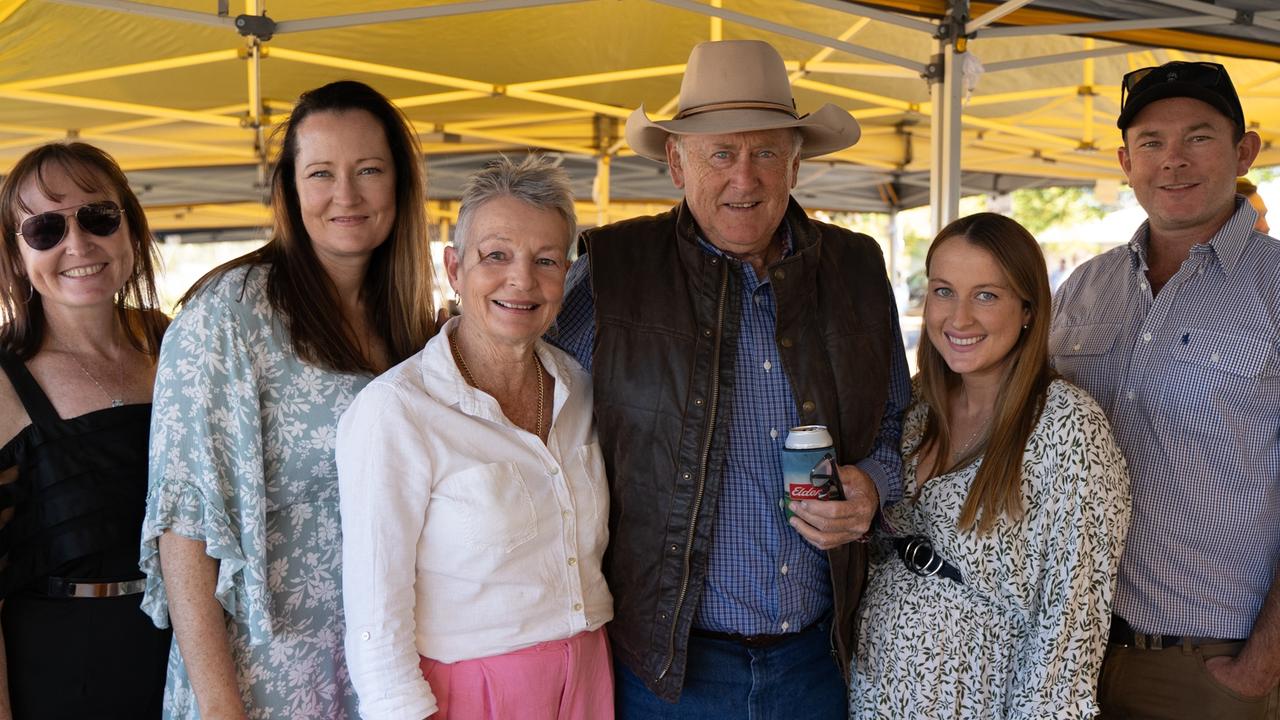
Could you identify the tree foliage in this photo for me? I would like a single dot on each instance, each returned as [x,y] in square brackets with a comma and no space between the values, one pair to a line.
[1041,208]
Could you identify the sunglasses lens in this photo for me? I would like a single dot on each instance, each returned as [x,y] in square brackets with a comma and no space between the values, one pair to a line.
[1135,77]
[821,473]
[100,218]
[43,231]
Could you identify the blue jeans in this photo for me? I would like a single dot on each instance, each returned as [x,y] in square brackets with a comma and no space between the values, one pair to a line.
[797,678]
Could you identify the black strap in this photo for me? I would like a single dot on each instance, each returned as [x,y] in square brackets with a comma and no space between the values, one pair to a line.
[917,553]
[29,392]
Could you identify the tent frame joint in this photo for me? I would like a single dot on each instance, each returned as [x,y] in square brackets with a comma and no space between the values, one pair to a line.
[261,26]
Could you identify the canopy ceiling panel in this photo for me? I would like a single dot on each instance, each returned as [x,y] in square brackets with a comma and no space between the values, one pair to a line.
[184,101]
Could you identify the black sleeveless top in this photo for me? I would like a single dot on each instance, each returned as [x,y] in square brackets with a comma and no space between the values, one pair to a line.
[80,495]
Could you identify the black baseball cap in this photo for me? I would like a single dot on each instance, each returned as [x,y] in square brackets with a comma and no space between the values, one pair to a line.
[1205,81]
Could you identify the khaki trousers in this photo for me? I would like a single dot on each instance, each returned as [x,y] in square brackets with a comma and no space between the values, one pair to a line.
[1174,684]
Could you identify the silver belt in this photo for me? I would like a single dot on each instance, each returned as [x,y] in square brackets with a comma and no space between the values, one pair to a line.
[68,588]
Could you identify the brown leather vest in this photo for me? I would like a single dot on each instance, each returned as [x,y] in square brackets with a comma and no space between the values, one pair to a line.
[667,320]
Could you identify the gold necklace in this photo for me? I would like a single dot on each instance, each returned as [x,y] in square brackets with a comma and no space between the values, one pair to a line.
[471,380]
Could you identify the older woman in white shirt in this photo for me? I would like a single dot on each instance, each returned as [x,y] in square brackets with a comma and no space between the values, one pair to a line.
[474,500]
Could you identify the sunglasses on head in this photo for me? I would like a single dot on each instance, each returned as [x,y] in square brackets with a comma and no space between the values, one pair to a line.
[46,230]
[1204,74]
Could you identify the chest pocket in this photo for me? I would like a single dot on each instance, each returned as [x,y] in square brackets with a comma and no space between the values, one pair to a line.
[1083,341]
[1235,355]
[490,504]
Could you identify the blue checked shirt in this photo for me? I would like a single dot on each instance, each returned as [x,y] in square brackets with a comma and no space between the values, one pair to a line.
[1190,380]
[762,576]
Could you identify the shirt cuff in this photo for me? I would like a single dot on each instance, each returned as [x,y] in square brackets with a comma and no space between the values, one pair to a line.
[890,492]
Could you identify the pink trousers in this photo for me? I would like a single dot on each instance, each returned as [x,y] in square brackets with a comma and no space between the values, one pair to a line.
[559,680]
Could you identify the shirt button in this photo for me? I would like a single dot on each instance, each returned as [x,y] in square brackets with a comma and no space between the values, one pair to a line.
[364,636]
[573,561]
[1142,285]
[783,569]
[1146,337]
[1076,347]
[565,513]
[786,626]
[773,433]
[577,607]
[1216,357]
[768,365]
[1129,395]
[807,406]
[553,471]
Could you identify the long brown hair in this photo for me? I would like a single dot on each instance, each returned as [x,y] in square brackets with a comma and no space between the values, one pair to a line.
[22,321]
[997,488]
[398,283]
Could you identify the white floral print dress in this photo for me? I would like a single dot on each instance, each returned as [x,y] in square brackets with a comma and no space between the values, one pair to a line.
[1024,635]
[242,458]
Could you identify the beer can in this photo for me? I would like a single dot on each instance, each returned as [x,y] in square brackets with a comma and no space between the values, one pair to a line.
[809,466]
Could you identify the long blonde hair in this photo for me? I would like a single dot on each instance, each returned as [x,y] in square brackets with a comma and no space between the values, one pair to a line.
[997,488]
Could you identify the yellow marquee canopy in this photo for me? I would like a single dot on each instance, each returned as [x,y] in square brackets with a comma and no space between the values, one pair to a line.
[185,92]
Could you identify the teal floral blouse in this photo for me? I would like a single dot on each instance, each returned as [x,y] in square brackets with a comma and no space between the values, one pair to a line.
[242,443]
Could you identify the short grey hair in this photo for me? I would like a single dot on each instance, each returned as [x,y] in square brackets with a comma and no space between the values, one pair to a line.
[536,180]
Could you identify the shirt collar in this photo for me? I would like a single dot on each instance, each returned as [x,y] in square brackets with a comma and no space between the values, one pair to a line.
[1227,244]
[444,382]
[783,235]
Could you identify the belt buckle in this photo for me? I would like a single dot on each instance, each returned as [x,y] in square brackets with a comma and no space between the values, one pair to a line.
[103,590]
[916,547]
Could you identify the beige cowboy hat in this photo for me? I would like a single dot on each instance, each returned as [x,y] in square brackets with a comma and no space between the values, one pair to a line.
[734,86]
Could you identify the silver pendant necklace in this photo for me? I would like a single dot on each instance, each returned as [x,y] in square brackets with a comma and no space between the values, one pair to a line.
[116,401]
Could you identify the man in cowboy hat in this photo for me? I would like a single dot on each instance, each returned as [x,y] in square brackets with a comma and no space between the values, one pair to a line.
[711,330]
[1174,334]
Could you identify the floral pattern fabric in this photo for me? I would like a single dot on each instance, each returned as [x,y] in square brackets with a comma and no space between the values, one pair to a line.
[242,459]
[1024,635]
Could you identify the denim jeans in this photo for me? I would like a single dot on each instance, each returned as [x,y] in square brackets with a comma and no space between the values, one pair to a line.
[795,679]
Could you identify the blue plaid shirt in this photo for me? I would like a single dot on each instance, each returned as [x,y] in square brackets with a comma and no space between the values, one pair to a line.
[762,576]
[1190,380]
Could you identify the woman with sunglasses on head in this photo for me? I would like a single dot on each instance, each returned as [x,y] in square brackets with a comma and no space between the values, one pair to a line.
[79,335]
[989,593]
[242,539]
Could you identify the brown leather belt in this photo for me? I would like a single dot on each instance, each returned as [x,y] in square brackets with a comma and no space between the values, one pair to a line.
[1123,634]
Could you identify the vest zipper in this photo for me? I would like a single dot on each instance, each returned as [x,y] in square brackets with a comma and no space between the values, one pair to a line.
[712,407]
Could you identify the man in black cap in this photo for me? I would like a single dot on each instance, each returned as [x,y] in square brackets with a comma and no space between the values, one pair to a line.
[1177,335]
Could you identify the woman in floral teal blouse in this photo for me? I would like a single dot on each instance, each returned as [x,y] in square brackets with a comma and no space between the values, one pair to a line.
[242,539]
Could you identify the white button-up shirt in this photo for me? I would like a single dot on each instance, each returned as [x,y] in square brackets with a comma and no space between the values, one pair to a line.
[464,536]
